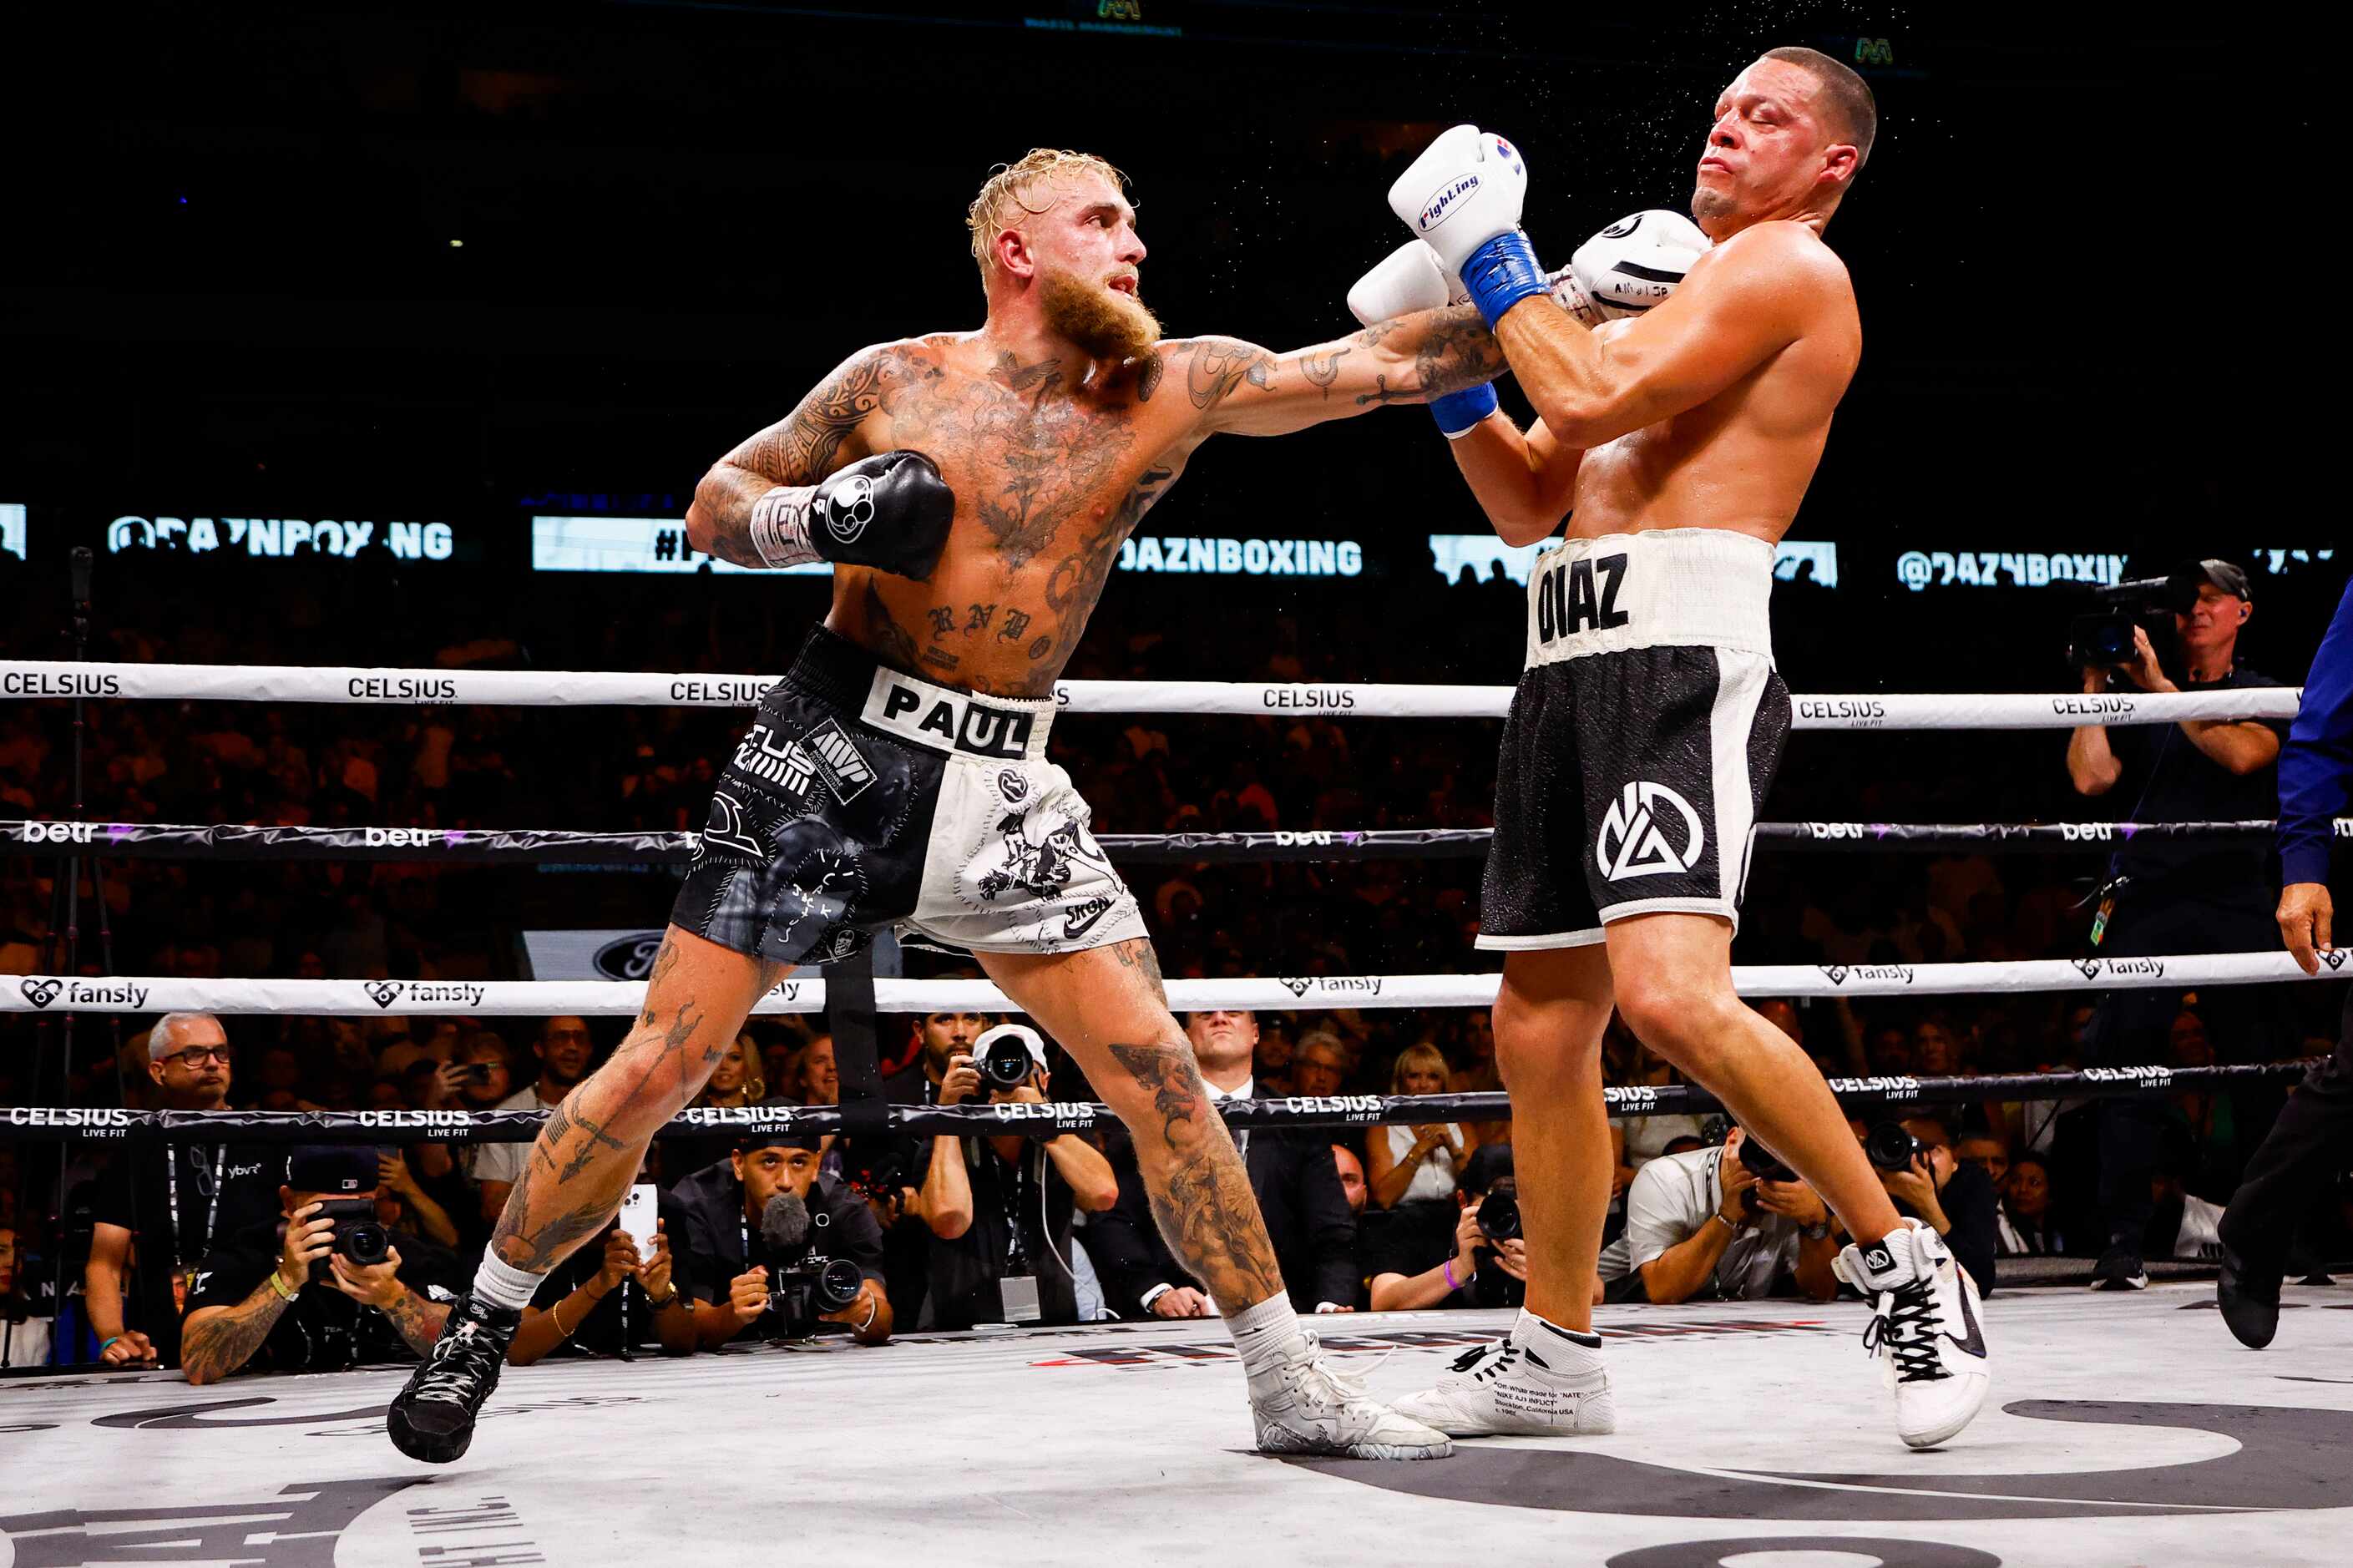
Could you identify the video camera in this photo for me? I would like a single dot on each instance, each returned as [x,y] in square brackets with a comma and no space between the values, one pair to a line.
[2104,638]
[803,1286]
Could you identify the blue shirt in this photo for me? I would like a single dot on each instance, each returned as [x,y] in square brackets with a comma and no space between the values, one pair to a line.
[2315,766]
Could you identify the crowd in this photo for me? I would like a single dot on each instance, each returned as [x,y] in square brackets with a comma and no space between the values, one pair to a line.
[1393,1218]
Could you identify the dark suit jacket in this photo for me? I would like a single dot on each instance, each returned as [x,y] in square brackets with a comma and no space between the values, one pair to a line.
[1307,1217]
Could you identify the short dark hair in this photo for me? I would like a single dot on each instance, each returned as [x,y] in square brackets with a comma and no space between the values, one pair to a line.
[1852,106]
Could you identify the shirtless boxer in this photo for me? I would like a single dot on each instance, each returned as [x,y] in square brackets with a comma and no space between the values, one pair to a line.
[972,489]
[1679,442]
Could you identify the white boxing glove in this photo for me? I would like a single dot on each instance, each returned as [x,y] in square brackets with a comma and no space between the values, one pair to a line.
[1629,267]
[1405,281]
[1467,187]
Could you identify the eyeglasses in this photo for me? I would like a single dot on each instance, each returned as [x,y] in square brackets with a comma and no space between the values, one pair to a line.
[197,1055]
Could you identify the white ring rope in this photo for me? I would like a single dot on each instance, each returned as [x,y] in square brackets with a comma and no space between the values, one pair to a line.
[152,994]
[557,688]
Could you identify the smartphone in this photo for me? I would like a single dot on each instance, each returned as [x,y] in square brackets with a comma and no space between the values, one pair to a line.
[638,1217]
[478,1072]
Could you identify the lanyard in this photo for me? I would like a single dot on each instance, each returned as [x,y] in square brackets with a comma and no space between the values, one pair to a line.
[212,1213]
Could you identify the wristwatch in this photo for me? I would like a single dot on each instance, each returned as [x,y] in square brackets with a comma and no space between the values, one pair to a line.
[1816,1231]
[667,1302]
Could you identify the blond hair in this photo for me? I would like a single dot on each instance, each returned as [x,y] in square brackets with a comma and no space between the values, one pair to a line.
[1424,1056]
[1015,185]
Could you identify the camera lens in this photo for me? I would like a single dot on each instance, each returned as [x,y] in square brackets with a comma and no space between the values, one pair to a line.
[1006,1064]
[1762,1163]
[1890,1145]
[364,1244]
[1499,1214]
[838,1282]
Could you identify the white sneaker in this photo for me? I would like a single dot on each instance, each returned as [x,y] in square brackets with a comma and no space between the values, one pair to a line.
[1531,1382]
[1304,1404]
[1923,1329]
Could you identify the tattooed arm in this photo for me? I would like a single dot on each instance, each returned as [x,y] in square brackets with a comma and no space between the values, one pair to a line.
[801,448]
[216,1341]
[1243,389]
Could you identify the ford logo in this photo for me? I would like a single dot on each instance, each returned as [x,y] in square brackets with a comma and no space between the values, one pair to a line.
[630,958]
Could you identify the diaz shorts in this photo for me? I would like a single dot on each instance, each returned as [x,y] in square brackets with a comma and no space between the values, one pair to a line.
[862,798]
[1645,731]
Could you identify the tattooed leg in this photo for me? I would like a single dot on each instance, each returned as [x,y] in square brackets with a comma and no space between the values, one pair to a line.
[588,1153]
[1108,1009]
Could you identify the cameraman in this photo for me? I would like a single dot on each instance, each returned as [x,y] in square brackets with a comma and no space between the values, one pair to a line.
[291,1292]
[1703,1222]
[1955,1199]
[1473,1269]
[730,1247]
[999,1207]
[2174,895]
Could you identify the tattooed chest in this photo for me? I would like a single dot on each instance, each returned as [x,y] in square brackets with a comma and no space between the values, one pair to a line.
[1047,490]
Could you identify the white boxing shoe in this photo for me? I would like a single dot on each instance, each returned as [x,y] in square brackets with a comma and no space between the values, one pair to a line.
[1924,1331]
[1535,1381]
[1304,1404]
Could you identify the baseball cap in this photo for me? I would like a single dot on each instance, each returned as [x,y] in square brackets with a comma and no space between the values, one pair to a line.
[2185,581]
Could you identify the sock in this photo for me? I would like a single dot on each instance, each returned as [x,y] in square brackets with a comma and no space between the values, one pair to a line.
[1265,1334]
[1530,1321]
[503,1286]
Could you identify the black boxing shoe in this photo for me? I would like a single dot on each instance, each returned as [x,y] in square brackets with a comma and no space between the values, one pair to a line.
[2250,1299]
[432,1419]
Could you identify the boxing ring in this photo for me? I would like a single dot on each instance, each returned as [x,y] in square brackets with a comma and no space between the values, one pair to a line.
[2122,1429]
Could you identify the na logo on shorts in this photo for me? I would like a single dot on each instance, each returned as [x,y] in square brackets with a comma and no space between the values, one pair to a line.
[1639,833]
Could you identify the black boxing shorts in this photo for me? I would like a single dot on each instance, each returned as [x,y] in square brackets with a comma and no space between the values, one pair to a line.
[1644,733]
[862,798]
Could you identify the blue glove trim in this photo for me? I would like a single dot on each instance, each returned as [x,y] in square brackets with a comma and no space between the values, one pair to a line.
[1457,412]
[1502,272]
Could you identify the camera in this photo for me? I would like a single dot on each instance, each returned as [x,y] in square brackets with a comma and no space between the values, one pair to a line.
[360,1239]
[802,1292]
[1890,1146]
[1499,1213]
[1004,1063]
[1762,1163]
[2104,638]
[877,1175]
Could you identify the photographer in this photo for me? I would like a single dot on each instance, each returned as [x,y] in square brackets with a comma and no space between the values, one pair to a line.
[1728,1222]
[1483,1262]
[607,1300]
[1955,1198]
[2174,895]
[756,1233]
[999,1207]
[288,1296]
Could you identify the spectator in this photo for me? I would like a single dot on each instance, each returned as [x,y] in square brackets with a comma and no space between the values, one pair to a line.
[1989,1154]
[1271,1063]
[283,1298]
[1000,1208]
[176,1201]
[820,1073]
[1454,1264]
[2027,1226]
[1701,1224]
[1320,1066]
[722,1211]
[1955,1200]
[607,1300]
[739,1078]
[1308,1218]
[24,1328]
[1351,1177]
[565,1050]
[1416,1165]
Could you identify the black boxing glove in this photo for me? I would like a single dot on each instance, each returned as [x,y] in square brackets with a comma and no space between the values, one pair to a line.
[890,511]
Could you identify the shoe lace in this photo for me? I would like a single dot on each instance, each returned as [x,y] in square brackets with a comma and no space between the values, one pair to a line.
[462,1360]
[1907,1331]
[1500,1356]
